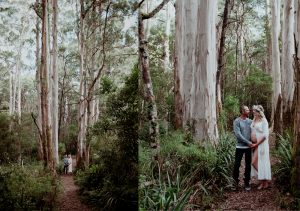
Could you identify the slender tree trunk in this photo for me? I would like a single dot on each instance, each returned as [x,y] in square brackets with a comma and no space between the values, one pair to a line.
[178,54]
[277,95]
[295,182]
[288,84]
[46,125]
[54,82]
[82,92]
[146,77]
[221,57]
[38,87]
[197,66]
[268,68]
[167,39]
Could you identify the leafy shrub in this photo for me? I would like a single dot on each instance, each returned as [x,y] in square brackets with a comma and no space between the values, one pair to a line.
[111,182]
[186,173]
[27,188]
[17,140]
[282,169]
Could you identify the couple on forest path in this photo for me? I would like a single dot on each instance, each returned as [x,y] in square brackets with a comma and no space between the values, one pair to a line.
[68,164]
[253,141]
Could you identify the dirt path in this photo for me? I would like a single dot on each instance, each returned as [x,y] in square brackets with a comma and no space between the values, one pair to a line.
[69,200]
[253,199]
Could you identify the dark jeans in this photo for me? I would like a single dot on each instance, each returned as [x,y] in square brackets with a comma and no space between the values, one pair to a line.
[66,169]
[238,157]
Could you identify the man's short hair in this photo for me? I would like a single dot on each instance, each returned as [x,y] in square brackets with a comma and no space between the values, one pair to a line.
[242,108]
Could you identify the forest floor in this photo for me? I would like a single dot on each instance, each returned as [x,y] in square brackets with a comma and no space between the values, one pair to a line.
[267,199]
[69,199]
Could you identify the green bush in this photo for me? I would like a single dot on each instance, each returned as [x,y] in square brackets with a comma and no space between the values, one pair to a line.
[27,188]
[111,182]
[184,169]
[282,169]
[17,140]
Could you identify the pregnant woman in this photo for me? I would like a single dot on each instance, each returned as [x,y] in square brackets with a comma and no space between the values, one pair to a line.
[260,138]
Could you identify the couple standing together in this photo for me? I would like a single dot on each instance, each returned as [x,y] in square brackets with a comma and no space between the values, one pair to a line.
[253,141]
[67,164]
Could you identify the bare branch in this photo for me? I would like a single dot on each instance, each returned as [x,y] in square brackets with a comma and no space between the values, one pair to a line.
[156,10]
[104,55]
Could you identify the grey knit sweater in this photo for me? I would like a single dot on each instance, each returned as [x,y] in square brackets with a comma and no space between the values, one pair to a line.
[242,132]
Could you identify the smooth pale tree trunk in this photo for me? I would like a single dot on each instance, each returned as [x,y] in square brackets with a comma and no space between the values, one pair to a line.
[167,39]
[240,34]
[44,74]
[15,82]
[178,54]
[54,82]
[82,114]
[146,77]
[147,7]
[276,73]
[221,56]
[268,67]
[197,66]
[288,84]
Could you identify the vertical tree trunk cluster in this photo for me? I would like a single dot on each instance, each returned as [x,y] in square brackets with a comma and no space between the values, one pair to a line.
[47,83]
[196,67]
[89,73]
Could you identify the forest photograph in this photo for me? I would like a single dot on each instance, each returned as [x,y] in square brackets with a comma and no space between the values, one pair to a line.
[149,105]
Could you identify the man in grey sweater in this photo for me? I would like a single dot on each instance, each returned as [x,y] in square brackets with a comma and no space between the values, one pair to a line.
[242,131]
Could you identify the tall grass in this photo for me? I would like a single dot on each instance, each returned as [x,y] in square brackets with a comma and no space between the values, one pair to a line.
[186,175]
[282,170]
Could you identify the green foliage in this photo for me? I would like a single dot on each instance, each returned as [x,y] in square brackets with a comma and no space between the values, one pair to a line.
[282,170]
[111,181]
[231,109]
[17,141]
[107,85]
[257,80]
[185,169]
[27,188]
[253,87]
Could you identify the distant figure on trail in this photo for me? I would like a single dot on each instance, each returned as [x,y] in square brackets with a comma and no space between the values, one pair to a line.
[66,164]
[242,131]
[70,169]
[260,138]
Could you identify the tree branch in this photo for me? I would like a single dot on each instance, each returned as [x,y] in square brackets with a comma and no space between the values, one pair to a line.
[34,120]
[104,55]
[156,10]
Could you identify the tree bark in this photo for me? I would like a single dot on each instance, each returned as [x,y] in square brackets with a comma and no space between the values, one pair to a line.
[221,57]
[38,87]
[288,84]
[197,66]
[295,182]
[54,82]
[46,125]
[82,91]
[146,77]
[277,94]
[166,53]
